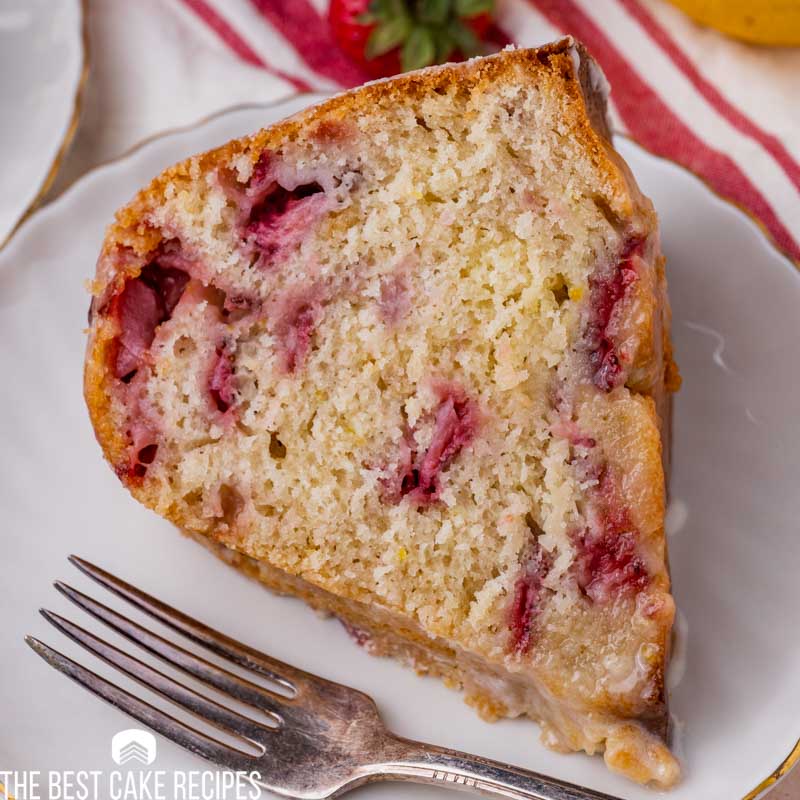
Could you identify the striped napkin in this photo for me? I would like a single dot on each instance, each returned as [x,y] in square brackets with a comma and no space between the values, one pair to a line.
[727,111]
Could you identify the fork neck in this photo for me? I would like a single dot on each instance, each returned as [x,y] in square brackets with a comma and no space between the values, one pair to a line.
[418,762]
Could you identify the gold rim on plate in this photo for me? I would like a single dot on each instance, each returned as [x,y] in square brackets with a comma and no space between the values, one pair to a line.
[69,134]
[783,769]
[771,241]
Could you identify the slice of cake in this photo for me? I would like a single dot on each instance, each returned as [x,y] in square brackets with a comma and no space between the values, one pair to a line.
[406,355]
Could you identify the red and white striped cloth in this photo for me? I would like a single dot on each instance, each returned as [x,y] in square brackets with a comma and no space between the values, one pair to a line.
[727,111]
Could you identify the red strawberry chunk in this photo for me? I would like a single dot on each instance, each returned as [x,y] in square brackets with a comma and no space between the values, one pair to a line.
[298,336]
[142,306]
[168,275]
[222,381]
[262,177]
[454,427]
[607,564]
[282,219]
[606,294]
[295,317]
[140,311]
[527,596]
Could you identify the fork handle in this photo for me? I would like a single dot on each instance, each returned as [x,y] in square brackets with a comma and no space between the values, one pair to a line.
[429,764]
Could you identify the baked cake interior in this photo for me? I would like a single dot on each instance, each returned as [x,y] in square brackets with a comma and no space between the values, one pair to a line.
[410,357]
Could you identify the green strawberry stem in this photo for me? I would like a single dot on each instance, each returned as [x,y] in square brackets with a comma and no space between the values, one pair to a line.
[426,31]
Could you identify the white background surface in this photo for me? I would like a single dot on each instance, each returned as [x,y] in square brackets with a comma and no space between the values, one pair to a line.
[736,442]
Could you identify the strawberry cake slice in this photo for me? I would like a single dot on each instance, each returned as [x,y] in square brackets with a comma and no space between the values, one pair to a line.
[406,355]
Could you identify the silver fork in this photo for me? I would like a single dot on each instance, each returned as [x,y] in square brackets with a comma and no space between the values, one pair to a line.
[321,738]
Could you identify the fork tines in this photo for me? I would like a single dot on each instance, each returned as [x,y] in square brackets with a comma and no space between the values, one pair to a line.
[276,704]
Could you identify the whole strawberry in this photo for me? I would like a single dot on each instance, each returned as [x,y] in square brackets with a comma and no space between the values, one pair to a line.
[389,36]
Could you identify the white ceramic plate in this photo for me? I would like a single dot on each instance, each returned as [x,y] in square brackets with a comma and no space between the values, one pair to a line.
[735,546]
[42,62]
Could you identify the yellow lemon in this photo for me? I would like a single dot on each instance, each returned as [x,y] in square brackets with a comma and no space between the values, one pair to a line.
[775,22]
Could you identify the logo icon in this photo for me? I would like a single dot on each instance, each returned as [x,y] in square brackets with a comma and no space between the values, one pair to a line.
[133,745]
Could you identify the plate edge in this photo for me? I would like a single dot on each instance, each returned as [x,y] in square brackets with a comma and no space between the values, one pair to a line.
[767,234]
[778,774]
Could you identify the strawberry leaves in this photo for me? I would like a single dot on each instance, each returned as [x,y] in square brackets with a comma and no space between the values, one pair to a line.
[425,31]
[388,35]
[419,50]
[433,12]
[471,8]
